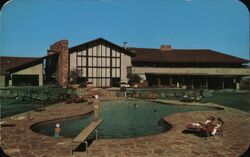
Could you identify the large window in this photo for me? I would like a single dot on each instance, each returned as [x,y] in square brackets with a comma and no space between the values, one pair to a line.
[100,64]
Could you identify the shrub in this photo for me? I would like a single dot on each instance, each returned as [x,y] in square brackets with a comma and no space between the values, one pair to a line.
[134,79]
[75,75]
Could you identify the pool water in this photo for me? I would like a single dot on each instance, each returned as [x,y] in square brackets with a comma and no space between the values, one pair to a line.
[122,119]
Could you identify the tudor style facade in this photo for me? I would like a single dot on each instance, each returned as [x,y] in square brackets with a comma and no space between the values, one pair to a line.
[101,62]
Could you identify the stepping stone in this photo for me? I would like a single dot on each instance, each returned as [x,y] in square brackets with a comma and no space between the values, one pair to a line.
[60,143]
[12,151]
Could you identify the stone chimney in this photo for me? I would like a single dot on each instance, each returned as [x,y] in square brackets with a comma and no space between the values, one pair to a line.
[165,48]
[50,52]
[62,70]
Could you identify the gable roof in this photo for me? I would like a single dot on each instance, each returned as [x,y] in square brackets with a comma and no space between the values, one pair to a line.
[7,63]
[96,42]
[183,56]
[20,63]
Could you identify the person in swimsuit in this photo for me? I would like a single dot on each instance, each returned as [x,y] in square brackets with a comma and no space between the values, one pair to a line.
[218,126]
[57,131]
[96,105]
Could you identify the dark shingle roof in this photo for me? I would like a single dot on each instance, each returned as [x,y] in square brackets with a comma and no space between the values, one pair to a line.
[183,56]
[7,63]
[97,42]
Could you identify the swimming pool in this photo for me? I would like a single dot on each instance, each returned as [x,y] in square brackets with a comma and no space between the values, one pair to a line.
[122,119]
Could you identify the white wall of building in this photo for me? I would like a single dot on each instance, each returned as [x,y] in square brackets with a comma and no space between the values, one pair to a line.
[125,62]
[193,71]
[2,81]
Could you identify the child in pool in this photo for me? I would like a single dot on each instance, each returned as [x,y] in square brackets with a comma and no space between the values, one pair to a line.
[57,131]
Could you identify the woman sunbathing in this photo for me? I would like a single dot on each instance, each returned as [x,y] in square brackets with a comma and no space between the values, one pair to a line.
[200,125]
[217,127]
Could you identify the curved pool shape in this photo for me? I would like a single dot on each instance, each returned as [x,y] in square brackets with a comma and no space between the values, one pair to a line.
[122,119]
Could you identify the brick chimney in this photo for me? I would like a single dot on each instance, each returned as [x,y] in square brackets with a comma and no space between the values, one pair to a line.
[62,70]
[165,48]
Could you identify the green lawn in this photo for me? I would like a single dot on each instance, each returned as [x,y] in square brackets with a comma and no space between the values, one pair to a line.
[231,99]
[22,99]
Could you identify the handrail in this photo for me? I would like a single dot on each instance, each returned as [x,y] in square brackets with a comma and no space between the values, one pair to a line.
[84,134]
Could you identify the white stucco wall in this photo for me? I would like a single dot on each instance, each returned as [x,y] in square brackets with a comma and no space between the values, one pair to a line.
[125,62]
[72,60]
[193,71]
[2,81]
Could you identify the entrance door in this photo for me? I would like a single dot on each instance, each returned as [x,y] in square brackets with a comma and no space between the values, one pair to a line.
[115,82]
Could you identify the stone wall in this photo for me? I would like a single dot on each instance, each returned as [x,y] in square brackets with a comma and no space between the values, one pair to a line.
[62,72]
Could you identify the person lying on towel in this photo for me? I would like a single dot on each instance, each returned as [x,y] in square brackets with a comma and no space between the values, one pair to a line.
[199,125]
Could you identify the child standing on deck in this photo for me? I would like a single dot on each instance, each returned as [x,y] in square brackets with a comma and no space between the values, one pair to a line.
[96,105]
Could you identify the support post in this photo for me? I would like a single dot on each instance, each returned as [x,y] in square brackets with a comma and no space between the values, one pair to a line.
[206,84]
[86,144]
[158,81]
[96,134]
[237,85]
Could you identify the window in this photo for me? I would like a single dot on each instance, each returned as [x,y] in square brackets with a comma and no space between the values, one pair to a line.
[83,61]
[90,61]
[94,51]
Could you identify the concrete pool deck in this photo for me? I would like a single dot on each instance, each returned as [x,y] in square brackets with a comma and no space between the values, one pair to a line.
[19,140]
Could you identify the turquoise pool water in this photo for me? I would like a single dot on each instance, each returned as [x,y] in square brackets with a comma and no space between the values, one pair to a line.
[122,119]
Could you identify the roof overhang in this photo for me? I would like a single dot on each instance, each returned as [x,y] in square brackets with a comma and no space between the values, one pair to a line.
[98,42]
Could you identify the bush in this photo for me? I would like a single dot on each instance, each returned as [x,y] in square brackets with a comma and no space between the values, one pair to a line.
[75,76]
[134,79]
[245,83]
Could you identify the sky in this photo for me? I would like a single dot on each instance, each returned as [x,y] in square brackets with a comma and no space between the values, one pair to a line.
[29,27]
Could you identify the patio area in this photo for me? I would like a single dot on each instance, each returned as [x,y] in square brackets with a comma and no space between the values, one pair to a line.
[19,140]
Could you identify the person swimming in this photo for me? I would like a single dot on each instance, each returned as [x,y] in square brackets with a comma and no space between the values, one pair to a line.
[135,106]
[57,131]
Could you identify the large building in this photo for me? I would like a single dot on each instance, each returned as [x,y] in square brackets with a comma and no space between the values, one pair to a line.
[107,64]
[190,67]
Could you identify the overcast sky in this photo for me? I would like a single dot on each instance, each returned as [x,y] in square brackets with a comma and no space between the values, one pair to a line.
[29,27]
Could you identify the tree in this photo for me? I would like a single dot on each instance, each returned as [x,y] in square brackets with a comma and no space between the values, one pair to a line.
[75,75]
[134,79]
